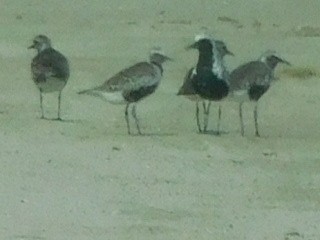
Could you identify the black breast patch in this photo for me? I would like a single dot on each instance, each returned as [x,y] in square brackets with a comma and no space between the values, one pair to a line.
[256,91]
[209,86]
[138,94]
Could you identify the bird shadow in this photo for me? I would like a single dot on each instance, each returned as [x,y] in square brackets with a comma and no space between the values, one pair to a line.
[214,133]
[152,134]
[62,120]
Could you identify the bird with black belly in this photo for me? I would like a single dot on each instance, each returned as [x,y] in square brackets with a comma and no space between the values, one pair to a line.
[208,81]
[188,90]
[250,81]
[132,84]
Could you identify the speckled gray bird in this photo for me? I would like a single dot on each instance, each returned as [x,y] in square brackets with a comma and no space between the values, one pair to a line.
[132,84]
[50,70]
[250,81]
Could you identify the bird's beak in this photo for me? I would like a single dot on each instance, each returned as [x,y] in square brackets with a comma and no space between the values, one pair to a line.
[166,58]
[284,61]
[229,53]
[192,46]
[32,46]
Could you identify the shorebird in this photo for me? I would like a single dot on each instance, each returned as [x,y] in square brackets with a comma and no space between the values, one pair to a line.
[251,80]
[188,90]
[132,84]
[50,70]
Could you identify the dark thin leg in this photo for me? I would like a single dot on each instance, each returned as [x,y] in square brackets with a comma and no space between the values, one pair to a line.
[41,106]
[241,119]
[255,113]
[197,117]
[134,114]
[59,106]
[219,119]
[127,118]
[206,110]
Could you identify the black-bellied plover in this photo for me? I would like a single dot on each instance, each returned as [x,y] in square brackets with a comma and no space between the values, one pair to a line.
[50,69]
[251,80]
[188,90]
[132,84]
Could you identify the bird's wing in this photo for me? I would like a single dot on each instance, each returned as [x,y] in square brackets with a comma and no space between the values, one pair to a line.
[140,74]
[187,86]
[252,73]
[50,63]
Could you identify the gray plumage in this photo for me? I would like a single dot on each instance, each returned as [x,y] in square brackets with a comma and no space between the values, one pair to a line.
[187,88]
[132,84]
[132,78]
[251,80]
[50,69]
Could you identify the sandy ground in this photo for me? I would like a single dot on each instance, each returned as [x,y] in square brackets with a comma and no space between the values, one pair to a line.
[85,178]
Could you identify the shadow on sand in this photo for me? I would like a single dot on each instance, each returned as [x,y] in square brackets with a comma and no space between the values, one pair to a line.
[215,133]
[151,134]
[62,120]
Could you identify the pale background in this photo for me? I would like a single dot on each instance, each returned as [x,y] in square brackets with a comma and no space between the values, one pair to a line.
[87,179]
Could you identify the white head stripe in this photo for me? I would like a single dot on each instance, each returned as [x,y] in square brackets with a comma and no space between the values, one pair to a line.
[266,54]
[157,50]
[203,36]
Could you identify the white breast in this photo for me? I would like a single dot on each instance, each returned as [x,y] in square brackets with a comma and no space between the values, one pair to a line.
[112,97]
[218,67]
[239,95]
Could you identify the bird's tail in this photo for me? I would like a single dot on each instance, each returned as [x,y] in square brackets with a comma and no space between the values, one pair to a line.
[85,91]
[91,92]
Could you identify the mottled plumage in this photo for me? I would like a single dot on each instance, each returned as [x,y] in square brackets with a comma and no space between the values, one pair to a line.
[252,73]
[133,78]
[49,65]
[251,80]
[132,84]
[50,69]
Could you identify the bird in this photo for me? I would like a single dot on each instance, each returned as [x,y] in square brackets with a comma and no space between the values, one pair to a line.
[208,80]
[50,70]
[132,84]
[188,91]
[250,81]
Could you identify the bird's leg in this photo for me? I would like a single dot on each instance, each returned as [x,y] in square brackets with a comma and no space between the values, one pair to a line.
[205,121]
[255,113]
[197,117]
[59,106]
[219,119]
[241,119]
[41,105]
[134,114]
[206,109]
[127,118]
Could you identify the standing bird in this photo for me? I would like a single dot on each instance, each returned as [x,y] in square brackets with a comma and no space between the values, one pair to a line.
[50,70]
[188,90]
[251,80]
[132,84]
